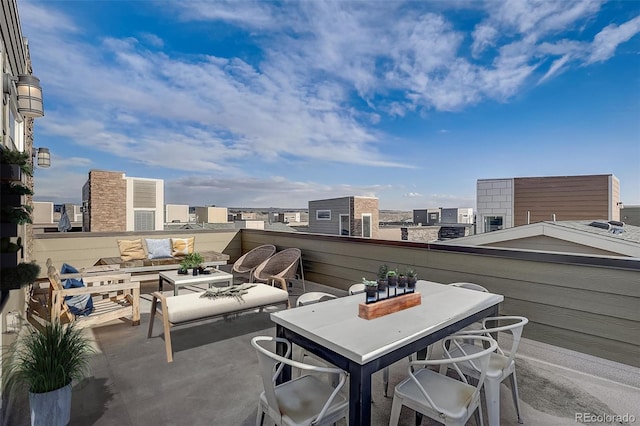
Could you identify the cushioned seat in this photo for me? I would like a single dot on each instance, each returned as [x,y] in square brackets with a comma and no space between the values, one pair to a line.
[188,307]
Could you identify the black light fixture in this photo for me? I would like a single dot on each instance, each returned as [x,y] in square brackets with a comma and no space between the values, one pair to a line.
[43,155]
[29,96]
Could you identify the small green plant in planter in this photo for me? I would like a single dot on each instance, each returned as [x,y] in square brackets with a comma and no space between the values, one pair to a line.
[392,278]
[412,278]
[370,289]
[382,277]
[45,362]
[191,260]
[21,159]
[402,280]
[23,273]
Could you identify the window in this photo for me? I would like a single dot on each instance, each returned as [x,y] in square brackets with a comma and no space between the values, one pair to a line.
[144,220]
[366,225]
[493,223]
[345,225]
[323,214]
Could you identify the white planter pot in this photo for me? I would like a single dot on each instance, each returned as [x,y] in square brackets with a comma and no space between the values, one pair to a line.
[51,408]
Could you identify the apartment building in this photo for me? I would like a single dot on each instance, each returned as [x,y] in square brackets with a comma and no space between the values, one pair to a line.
[349,216]
[176,213]
[212,215]
[111,201]
[429,217]
[505,203]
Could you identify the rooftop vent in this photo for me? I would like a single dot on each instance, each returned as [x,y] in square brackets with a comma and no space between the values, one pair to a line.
[601,225]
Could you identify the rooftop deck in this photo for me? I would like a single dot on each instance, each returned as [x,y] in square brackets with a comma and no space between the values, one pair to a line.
[214,379]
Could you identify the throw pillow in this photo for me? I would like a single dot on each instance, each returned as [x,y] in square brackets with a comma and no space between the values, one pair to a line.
[158,248]
[80,304]
[131,250]
[182,246]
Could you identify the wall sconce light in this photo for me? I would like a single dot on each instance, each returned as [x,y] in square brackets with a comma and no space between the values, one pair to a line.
[44,157]
[620,205]
[29,96]
[29,93]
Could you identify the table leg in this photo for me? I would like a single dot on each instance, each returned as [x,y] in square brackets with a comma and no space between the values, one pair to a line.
[359,396]
[281,348]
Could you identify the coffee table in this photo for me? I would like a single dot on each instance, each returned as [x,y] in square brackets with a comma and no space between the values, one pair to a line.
[177,280]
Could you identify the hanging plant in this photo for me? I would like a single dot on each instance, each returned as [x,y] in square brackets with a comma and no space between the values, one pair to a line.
[19,215]
[21,159]
[20,275]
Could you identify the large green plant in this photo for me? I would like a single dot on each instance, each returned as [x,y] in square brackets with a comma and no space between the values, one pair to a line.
[46,360]
[192,260]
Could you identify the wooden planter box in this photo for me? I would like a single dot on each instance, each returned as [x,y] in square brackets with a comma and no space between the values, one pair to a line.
[10,172]
[389,306]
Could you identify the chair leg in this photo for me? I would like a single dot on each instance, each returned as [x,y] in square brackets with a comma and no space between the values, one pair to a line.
[260,416]
[479,417]
[385,381]
[492,396]
[395,411]
[154,306]
[514,394]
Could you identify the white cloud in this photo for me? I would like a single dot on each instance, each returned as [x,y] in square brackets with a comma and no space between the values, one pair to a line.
[328,74]
[249,191]
[412,194]
[484,35]
[606,41]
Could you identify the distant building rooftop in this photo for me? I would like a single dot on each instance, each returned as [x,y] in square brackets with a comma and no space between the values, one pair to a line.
[579,236]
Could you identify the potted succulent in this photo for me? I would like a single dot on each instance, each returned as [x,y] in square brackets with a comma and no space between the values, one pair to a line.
[402,280]
[14,164]
[382,277]
[392,278]
[412,278]
[370,289]
[45,362]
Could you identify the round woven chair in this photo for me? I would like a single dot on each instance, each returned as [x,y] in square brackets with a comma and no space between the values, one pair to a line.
[283,264]
[251,259]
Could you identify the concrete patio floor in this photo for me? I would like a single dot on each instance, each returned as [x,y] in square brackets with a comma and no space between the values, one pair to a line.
[214,379]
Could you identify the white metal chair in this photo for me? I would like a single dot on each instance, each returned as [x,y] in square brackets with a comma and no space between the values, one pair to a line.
[470,286]
[501,365]
[356,289]
[438,396]
[251,259]
[305,400]
[314,297]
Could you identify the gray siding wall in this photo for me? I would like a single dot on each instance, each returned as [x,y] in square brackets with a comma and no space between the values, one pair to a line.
[337,206]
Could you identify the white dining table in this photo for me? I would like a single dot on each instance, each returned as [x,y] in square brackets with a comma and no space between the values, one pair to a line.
[333,331]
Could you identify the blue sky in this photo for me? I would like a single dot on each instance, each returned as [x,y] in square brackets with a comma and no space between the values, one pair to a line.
[270,104]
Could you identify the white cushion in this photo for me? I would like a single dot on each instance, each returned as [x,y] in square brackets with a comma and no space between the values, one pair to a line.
[187,307]
[158,247]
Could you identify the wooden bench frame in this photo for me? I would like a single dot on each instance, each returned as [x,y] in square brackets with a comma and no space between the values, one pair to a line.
[115,296]
[164,313]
